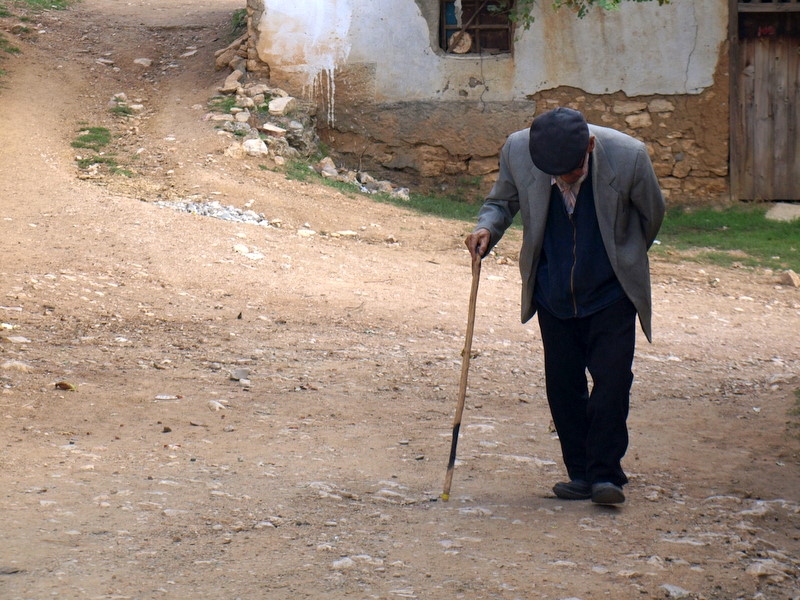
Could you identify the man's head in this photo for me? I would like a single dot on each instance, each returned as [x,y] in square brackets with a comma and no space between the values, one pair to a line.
[559,141]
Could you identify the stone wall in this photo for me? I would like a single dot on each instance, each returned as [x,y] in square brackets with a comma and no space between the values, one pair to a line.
[687,136]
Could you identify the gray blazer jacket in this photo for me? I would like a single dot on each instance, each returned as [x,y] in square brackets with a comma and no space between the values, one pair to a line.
[630,209]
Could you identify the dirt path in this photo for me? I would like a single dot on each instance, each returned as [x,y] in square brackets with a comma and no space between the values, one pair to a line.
[278,427]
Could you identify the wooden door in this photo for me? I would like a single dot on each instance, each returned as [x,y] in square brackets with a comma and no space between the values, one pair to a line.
[765,108]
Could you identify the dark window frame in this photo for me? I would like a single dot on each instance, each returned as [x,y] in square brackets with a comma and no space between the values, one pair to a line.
[489,32]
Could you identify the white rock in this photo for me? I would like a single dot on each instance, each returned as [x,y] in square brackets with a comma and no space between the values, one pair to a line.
[235,151]
[282,106]
[255,147]
[16,365]
[769,569]
[143,62]
[273,130]
[344,563]
[790,278]
[676,592]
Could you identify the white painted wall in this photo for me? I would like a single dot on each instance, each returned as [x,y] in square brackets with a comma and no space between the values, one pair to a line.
[640,49]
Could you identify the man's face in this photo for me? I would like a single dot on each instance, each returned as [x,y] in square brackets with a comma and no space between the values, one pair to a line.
[573,176]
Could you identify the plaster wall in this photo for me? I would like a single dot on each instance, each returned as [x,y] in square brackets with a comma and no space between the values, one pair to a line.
[640,49]
[388,98]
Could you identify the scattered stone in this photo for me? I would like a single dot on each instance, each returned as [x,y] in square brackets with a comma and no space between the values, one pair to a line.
[673,591]
[273,130]
[770,570]
[783,211]
[143,62]
[327,169]
[243,101]
[239,374]
[16,365]
[282,106]
[227,54]
[237,128]
[344,563]
[790,278]
[255,147]
[231,85]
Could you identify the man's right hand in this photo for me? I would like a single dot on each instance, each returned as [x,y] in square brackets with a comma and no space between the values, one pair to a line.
[478,242]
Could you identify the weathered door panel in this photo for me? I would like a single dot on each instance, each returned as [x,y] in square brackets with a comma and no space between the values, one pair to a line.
[766,138]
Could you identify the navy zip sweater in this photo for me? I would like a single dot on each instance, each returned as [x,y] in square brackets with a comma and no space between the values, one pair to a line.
[574,278]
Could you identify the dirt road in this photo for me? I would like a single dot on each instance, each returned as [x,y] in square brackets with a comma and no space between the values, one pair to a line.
[275,424]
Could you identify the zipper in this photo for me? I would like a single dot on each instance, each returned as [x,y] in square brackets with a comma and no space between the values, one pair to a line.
[574,265]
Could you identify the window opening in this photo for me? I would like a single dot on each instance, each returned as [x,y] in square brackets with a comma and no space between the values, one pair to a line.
[476,26]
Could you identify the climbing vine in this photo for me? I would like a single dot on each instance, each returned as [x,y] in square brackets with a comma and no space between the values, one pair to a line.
[519,11]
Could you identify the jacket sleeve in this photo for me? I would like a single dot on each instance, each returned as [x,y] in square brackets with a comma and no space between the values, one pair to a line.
[502,203]
[647,197]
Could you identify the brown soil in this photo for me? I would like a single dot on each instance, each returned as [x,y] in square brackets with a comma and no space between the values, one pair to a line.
[161,476]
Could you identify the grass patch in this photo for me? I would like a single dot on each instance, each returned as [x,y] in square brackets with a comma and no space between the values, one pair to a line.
[95,139]
[440,206]
[108,161]
[238,22]
[737,236]
[7,47]
[6,6]
[121,110]
[40,5]
[87,161]
[740,235]
[222,104]
[33,5]
[92,138]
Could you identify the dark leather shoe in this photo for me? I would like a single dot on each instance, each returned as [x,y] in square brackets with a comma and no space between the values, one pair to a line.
[607,493]
[577,489]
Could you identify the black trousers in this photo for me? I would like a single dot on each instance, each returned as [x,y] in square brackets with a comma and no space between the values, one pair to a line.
[592,426]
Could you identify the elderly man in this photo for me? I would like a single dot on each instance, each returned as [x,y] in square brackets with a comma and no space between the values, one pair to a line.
[591,208]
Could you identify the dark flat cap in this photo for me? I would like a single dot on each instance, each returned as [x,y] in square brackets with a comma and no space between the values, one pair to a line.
[559,140]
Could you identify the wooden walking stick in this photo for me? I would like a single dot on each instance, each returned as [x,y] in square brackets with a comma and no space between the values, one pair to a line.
[462,386]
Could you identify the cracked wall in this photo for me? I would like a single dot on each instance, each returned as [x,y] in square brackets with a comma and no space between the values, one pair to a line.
[387,91]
